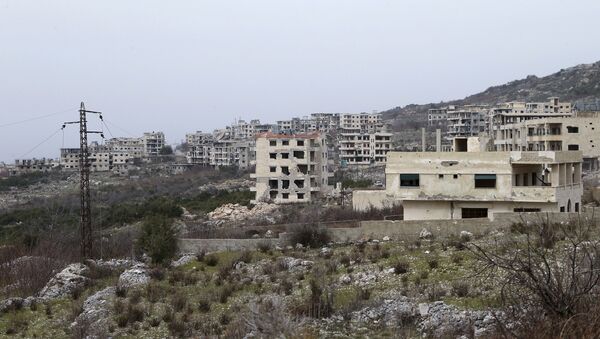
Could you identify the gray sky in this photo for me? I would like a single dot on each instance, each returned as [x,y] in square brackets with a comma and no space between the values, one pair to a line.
[181,66]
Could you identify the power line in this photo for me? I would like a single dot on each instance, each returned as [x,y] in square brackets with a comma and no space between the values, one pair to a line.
[119,128]
[35,118]
[38,145]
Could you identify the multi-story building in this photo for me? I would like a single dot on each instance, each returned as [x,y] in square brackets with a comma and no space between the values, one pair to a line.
[34,165]
[291,167]
[573,133]
[134,147]
[351,122]
[102,159]
[153,143]
[460,185]
[364,148]
[218,149]
[438,117]
[467,121]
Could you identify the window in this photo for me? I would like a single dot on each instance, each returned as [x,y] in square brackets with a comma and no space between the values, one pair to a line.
[562,208]
[440,176]
[468,213]
[572,129]
[272,169]
[273,155]
[285,170]
[300,142]
[521,209]
[285,195]
[485,181]
[272,142]
[285,155]
[573,147]
[299,154]
[300,196]
[455,176]
[409,180]
[285,142]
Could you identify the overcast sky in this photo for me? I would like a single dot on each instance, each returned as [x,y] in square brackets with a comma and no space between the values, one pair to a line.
[182,66]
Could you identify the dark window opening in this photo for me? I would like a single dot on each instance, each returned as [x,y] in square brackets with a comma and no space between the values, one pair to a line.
[522,209]
[285,155]
[572,129]
[562,208]
[272,142]
[285,184]
[303,169]
[285,142]
[468,213]
[573,147]
[299,154]
[285,195]
[576,207]
[409,180]
[300,196]
[273,155]
[485,181]
[440,176]
[272,169]
[273,184]
[300,142]
[455,176]
[285,170]
[273,195]
[299,183]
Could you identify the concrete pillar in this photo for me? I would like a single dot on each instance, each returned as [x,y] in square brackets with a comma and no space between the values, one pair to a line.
[438,140]
[423,143]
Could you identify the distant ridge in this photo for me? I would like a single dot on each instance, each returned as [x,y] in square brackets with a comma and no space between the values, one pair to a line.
[579,84]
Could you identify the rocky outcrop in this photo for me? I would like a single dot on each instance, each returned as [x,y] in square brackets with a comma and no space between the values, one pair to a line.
[94,320]
[185,259]
[138,275]
[65,283]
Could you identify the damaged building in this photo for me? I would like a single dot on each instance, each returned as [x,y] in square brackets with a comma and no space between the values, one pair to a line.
[460,185]
[291,168]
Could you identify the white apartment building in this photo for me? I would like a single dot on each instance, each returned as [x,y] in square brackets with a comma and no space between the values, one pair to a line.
[460,185]
[291,168]
[218,149]
[364,148]
[572,133]
[351,122]
[153,143]
[134,147]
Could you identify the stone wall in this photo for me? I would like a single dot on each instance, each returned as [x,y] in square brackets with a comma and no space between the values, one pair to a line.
[396,229]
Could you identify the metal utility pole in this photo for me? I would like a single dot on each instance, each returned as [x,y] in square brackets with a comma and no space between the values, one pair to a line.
[85,223]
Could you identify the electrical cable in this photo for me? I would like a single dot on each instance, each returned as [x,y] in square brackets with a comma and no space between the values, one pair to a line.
[38,145]
[113,124]
[35,118]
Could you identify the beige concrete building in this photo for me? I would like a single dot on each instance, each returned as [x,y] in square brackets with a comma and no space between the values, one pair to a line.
[459,185]
[153,142]
[362,122]
[218,149]
[573,133]
[466,121]
[361,148]
[134,147]
[438,117]
[23,166]
[291,168]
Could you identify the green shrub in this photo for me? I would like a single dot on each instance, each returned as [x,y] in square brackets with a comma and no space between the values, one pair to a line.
[158,239]
[401,266]
[310,235]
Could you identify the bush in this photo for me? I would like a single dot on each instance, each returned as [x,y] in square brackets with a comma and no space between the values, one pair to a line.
[211,260]
[401,266]
[433,263]
[178,301]
[460,289]
[158,239]
[263,246]
[204,305]
[310,235]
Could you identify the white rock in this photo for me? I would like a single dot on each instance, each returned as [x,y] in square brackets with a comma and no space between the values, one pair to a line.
[65,283]
[269,234]
[345,279]
[96,314]
[386,238]
[425,234]
[136,276]
[423,309]
[185,259]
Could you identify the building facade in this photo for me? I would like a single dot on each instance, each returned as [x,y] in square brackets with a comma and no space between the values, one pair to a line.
[460,185]
[153,143]
[291,168]
[23,166]
[360,148]
[469,120]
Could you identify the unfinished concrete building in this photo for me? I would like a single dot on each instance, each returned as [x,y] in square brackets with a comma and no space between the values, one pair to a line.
[291,168]
[153,143]
[573,133]
[438,117]
[460,185]
[363,148]
[23,166]
[466,121]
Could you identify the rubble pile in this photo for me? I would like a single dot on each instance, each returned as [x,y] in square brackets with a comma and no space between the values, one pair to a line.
[237,212]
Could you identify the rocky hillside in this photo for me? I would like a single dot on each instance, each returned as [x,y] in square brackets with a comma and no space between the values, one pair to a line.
[576,84]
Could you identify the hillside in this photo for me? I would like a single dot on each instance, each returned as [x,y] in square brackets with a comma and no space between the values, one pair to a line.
[576,84]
